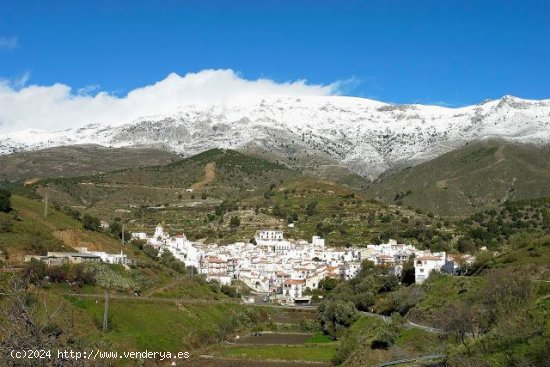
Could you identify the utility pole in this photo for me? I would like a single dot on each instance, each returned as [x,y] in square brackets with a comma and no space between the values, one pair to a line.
[122,234]
[106,312]
[46,206]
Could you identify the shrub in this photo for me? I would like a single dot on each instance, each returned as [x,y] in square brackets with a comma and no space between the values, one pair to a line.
[6,225]
[90,223]
[5,201]
[234,222]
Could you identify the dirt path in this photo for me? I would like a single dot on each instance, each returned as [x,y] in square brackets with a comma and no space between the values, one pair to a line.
[209,175]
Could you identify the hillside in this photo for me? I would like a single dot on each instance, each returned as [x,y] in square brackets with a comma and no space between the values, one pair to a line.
[78,160]
[153,304]
[201,194]
[202,180]
[475,177]
[364,136]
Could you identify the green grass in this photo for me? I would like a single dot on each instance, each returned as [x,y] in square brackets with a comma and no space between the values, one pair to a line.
[442,291]
[321,353]
[159,325]
[319,338]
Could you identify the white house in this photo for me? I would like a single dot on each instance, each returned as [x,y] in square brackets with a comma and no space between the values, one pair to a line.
[318,241]
[293,288]
[268,237]
[138,236]
[423,266]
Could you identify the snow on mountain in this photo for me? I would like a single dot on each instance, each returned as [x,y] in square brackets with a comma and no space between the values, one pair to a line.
[366,136]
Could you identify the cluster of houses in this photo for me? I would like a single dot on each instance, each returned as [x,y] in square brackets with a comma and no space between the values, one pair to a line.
[285,269]
[393,255]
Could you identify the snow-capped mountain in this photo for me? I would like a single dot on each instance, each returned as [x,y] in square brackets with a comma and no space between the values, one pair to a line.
[366,136]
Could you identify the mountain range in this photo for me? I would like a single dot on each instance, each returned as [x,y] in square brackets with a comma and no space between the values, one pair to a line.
[313,134]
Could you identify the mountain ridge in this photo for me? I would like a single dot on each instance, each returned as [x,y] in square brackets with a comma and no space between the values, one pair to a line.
[365,136]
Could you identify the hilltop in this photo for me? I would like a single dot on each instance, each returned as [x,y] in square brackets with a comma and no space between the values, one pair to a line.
[78,160]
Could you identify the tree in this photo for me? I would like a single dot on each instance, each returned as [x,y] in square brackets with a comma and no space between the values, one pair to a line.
[390,283]
[28,322]
[5,201]
[234,222]
[116,229]
[407,273]
[328,284]
[230,291]
[151,252]
[90,223]
[336,316]
[310,209]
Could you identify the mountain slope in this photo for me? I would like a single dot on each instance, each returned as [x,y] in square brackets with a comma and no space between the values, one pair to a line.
[205,194]
[201,181]
[364,136]
[78,160]
[475,177]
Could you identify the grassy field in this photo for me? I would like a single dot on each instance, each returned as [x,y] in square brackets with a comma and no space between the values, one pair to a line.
[321,353]
[162,326]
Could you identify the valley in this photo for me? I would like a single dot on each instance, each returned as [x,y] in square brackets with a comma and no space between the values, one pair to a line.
[224,197]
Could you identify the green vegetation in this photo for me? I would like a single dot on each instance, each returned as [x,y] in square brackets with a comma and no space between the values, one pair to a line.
[322,353]
[371,341]
[78,160]
[494,314]
[239,194]
[475,177]
[319,338]
[168,326]
[5,201]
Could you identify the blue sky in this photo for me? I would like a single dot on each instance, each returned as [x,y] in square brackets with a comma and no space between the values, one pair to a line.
[446,52]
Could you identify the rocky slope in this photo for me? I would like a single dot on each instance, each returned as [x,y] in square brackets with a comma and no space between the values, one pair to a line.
[365,136]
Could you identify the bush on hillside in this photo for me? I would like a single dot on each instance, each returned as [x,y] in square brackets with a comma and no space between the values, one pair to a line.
[5,201]
[6,225]
[90,223]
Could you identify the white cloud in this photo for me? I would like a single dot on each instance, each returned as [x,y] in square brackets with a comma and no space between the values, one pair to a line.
[8,43]
[57,106]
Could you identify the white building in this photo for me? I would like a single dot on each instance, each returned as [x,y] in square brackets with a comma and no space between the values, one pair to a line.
[425,264]
[268,237]
[318,241]
[293,288]
[121,258]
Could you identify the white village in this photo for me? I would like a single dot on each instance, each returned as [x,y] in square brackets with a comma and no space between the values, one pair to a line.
[284,269]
